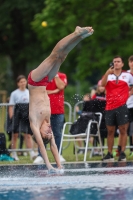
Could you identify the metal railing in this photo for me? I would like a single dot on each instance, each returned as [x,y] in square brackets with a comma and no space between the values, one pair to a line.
[72,115]
[4,123]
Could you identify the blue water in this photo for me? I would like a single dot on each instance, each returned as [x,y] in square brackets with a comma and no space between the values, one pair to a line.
[80,181]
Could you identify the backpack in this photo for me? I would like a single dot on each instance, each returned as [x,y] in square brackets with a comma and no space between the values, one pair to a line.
[80,125]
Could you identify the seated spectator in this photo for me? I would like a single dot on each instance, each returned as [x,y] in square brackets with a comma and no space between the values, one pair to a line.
[100,92]
[97,105]
[86,97]
[93,106]
[93,92]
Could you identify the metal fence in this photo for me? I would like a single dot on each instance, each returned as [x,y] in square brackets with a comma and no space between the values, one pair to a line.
[70,115]
[4,107]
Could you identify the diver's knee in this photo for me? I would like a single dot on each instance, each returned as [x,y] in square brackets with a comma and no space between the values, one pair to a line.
[58,55]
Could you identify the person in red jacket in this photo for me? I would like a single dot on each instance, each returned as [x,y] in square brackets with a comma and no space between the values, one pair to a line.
[116,83]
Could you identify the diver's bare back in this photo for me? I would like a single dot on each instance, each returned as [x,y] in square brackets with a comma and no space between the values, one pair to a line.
[39,105]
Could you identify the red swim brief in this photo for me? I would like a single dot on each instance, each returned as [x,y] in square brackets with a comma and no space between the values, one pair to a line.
[43,82]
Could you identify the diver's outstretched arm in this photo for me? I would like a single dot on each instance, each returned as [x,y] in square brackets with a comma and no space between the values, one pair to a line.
[41,146]
[55,152]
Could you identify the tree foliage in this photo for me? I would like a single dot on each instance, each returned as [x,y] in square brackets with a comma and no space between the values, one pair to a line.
[17,40]
[21,21]
[112,21]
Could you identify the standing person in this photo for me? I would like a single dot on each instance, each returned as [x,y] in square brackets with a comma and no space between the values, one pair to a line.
[18,112]
[55,91]
[130,106]
[130,109]
[38,79]
[116,83]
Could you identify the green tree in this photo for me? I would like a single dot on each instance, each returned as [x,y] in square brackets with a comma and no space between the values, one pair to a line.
[17,40]
[112,21]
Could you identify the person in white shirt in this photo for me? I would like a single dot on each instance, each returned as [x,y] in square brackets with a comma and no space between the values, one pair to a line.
[19,112]
[130,106]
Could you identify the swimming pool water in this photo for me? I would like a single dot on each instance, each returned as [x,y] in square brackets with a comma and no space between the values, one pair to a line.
[96,181]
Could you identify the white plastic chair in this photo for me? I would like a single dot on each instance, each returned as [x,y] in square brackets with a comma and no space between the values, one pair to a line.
[82,136]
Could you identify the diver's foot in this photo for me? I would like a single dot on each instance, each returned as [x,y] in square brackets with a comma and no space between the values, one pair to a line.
[84,32]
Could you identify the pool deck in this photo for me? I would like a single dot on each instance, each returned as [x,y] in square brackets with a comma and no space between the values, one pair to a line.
[77,174]
[23,170]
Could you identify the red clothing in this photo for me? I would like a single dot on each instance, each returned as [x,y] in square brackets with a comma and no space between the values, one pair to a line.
[117,90]
[57,100]
[43,82]
[100,96]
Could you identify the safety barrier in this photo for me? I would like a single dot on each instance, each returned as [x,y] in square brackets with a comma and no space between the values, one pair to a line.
[72,115]
[4,119]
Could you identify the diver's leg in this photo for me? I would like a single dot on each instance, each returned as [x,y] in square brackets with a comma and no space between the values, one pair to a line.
[51,64]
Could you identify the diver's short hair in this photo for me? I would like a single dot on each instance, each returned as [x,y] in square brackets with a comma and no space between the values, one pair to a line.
[45,140]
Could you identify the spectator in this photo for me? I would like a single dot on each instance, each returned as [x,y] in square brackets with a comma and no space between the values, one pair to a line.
[116,84]
[55,91]
[93,92]
[97,105]
[8,128]
[19,115]
[86,97]
[130,106]
[100,92]
[130,109]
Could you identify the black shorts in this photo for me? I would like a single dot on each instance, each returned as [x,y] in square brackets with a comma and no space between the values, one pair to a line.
[117,117]
[20,122]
